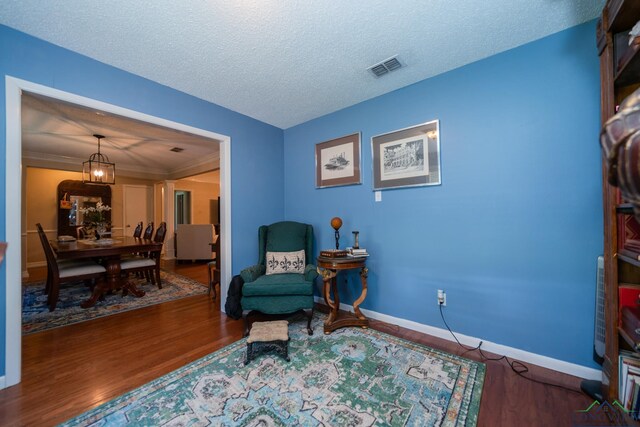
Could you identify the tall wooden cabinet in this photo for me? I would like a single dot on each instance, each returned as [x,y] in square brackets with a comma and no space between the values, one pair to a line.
[620,75]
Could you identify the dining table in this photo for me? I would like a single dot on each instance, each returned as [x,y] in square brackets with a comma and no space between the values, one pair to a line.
[109,252]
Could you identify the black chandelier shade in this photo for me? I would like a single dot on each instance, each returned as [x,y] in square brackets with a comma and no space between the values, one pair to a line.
[98,169]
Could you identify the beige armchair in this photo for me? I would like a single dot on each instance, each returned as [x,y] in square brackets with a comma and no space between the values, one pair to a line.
[194,241]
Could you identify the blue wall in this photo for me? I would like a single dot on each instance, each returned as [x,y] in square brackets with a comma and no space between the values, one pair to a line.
[256,148]
[513,232]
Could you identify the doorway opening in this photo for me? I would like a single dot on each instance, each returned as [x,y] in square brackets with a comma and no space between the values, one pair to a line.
[183,207]
[13,261]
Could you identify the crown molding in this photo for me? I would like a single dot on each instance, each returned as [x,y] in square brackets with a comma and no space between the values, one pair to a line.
[206,164]
[74,164]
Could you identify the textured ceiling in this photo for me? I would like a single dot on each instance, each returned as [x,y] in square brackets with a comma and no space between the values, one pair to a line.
[284,61]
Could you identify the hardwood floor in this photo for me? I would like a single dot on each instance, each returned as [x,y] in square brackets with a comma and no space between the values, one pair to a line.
[69,370]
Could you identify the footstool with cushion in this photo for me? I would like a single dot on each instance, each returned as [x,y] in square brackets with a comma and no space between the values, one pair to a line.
[267,337]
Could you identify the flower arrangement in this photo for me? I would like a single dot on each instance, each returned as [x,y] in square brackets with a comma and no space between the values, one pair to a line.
[95,215]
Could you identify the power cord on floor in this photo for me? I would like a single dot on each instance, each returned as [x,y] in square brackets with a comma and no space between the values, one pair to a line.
[516,366]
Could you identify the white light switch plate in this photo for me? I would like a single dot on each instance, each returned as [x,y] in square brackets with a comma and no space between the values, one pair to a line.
[378,195]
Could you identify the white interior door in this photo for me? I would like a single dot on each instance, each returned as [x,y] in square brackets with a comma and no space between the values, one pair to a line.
[137,202]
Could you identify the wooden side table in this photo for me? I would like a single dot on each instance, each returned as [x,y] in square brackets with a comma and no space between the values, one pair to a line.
[328,268]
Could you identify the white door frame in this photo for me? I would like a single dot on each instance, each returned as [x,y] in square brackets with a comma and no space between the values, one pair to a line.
[14,88]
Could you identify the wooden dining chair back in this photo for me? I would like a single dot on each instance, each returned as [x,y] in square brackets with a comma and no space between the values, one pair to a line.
[81,233]
[59,272]
[143,268]
[160,233]
[146,265]
[148,232]
[46,248]
[138,230]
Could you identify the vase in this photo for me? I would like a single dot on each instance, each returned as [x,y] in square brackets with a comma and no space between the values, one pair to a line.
[101,230]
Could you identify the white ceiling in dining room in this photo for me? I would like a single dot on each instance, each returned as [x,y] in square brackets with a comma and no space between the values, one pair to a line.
[57,134]
[286,61]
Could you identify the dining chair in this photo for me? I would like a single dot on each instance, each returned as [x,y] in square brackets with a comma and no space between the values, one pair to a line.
[214,268]
[138,230]
[149,264]
[148,232]
[65,271]
[158,238]
[160,233]
[81,232]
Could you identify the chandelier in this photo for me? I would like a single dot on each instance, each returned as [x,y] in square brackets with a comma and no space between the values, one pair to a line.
[98,169]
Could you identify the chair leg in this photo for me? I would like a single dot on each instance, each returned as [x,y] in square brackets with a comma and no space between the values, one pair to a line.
[249,354]
[158,280]
[54,290]
[309,315]
[47,286]
[212,279]
[247,323]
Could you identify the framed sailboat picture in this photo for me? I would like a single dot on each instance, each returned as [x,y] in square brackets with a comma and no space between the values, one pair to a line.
[338,162]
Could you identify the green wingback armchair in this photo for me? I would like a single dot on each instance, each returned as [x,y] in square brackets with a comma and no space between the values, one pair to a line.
[281,293]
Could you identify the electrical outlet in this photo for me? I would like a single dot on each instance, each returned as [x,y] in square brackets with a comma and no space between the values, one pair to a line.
[442,297]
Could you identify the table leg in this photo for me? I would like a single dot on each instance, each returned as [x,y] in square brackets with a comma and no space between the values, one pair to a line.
[356,305]
[336,298]
[112,265]
[111,283]
[127,286]
[131,287]
[335,320]
[328,278]
[99,289]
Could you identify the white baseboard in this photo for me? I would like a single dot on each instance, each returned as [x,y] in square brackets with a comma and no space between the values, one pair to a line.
[499,349]
[3,382]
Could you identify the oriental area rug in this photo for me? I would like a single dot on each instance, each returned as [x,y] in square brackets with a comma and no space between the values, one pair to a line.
[36,316]
[352,377]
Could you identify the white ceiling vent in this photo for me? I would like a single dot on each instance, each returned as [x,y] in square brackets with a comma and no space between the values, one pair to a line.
[386,66]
